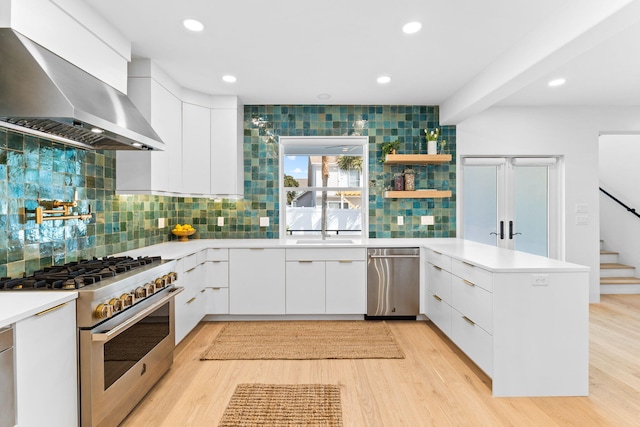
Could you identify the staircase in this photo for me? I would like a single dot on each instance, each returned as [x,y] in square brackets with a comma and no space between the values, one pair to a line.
[616,278]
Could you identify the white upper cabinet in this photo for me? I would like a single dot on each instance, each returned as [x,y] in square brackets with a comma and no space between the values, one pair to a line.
[196,148]
[227,159]
[153,172]
[75,32]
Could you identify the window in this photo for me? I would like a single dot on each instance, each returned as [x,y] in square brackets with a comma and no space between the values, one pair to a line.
[303,191]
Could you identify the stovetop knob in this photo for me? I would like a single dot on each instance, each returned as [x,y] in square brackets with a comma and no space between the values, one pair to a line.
[127,299]
[103,311]
[140,292]
[117,304]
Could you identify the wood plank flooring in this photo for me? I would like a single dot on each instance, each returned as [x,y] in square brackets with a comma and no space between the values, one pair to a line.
[435,385]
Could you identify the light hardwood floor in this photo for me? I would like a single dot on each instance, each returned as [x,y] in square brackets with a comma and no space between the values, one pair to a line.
[435,385]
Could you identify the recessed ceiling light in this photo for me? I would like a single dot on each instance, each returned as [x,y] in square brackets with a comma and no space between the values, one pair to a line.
[556,82]
[411,27]
[324,96]
[96,130]
[229,78]
[383,79]
[193,25]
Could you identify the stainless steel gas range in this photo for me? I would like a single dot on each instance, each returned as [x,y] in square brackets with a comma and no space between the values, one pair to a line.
[126,328]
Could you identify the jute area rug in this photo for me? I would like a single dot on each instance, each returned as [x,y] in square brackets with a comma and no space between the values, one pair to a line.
[272,405]
[304,340]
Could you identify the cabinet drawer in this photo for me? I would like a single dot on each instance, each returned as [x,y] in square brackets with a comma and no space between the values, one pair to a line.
[439,312]
[189,262]
[439,282]
[327,254]
[474,341]
[217,274]
[474,302]
[217,254]
[473,274]
[217,301]
[201,256]
[439,259]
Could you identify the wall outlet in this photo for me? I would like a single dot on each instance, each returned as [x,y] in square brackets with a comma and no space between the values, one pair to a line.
[264,221]
[582,208]
[426,220]
[540,279]
[400,220]
[220,221]
[161,223]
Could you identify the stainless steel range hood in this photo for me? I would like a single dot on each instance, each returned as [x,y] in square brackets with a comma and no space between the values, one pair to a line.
[45,95]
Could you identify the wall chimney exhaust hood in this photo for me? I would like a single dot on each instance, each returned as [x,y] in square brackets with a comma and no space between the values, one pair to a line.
[44,95]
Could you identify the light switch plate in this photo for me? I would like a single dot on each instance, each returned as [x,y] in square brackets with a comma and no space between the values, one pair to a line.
[220,221]
[582,208]
[540,279]
[426,220]
[264,221]
[582,220]
[161,223]
[400,220]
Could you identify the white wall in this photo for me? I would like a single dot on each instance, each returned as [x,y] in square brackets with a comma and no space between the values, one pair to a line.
[571,132]
[620,175]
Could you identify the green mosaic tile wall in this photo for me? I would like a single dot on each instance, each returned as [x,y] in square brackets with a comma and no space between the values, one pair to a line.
[32,168]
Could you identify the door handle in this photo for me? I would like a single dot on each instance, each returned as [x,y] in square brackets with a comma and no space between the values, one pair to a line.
[511,233]
[501,231]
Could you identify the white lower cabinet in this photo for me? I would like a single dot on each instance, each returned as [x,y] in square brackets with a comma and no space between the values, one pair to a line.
[439,311]
[190,305]
[305,290]
[257,281]
[346,287]
[473,340]
[217,283]
[217,300]
[46,394]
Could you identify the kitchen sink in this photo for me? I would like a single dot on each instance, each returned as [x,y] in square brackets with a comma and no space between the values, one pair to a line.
[325,242]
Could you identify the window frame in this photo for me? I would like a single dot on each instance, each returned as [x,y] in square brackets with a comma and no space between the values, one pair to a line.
[363,141]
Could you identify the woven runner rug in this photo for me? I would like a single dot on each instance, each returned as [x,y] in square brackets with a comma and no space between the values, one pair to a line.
[271,405]
[304,340]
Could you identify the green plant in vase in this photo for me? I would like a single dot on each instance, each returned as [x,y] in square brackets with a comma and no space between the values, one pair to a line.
[389,148]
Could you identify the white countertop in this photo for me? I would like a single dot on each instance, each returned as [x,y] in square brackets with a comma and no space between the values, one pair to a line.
[485,256]
[18,305]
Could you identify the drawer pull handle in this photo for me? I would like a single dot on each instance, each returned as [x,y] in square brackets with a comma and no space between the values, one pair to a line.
[437,268]
[469,321]
[346,261]
[191,300]
[49,310]
[202,290]
[256,249]
[466,263]
[436,252]
[437,298]
[468,283]
[305,260]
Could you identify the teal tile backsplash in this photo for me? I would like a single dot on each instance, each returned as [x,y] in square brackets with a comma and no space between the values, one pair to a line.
[32,168]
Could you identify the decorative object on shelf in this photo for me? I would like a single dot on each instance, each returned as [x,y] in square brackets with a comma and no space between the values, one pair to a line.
[409,180]
[432,140]
[183,231]
[417,159]
[389,148]
[398,182]
[58,209]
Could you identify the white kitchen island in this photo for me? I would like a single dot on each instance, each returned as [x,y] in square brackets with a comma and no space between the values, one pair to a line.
[521,318]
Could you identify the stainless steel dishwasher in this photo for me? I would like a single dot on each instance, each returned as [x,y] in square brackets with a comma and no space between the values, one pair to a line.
[7,387]
[393,283]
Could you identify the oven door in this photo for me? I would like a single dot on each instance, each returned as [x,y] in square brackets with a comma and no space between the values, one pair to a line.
[122,358]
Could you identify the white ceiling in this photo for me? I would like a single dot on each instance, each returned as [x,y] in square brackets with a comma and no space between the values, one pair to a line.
[470,54]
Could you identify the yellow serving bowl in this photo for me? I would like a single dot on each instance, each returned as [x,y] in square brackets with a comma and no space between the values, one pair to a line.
[183,234]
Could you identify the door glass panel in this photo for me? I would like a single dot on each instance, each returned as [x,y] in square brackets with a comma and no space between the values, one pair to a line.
[480,203]
[531,209]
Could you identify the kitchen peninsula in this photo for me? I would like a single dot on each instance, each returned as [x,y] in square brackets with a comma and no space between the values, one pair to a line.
[523,319]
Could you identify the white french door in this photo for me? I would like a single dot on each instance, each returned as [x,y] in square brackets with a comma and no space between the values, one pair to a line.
[512,202]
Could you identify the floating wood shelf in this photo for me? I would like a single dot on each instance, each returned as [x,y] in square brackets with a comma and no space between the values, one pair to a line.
[419,194]
[417,159]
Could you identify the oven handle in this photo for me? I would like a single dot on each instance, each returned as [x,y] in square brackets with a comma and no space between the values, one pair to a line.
[104,337]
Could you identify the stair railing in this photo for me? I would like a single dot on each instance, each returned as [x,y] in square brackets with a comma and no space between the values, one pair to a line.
[632,210]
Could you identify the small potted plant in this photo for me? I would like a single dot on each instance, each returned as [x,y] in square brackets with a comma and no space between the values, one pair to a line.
[432,140]
[389,148]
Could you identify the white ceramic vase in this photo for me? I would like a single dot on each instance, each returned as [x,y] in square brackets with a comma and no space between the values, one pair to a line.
[432,147]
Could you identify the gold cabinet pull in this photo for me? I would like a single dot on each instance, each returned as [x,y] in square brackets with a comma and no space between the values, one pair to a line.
[346,260]
[305,260]
[468,283]
[437,298]
[49,310]
[466,263]
[469,321]
[191,300]
[437,268]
